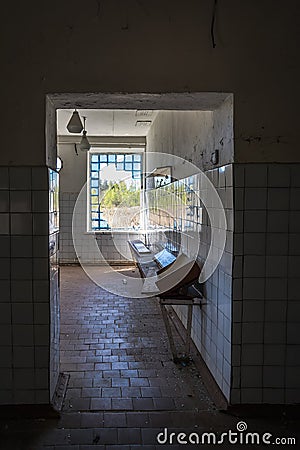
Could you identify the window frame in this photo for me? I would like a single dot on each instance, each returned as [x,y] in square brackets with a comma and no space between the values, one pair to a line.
[120,149]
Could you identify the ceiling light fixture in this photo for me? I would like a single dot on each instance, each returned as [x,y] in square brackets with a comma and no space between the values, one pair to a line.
[75,124]
[84,143]
[143,123]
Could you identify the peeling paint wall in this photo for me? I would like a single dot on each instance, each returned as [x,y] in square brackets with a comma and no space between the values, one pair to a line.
[223,134]
[194,136]
[187,134]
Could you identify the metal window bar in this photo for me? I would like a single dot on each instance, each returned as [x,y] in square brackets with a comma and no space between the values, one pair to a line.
[128,162]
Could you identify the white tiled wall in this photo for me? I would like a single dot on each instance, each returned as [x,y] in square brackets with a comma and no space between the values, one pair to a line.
[211,326]
[66,204]
[24,285]
[266,300]
[248,333]
[113,246]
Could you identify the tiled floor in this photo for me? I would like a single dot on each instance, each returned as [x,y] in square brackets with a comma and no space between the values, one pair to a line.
[123,388]
[116,352]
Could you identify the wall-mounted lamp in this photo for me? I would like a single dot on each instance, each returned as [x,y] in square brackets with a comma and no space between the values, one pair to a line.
[84,143]
[75,124]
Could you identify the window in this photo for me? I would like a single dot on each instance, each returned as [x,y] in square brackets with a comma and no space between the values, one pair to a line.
[53,201]
[115,180]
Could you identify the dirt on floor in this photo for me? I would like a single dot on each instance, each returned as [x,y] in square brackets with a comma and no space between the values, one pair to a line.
[124,390]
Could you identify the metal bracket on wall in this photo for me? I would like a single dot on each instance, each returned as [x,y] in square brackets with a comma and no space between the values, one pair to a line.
[172,302]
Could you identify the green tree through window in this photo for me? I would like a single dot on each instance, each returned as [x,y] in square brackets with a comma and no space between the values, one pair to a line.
[115,190]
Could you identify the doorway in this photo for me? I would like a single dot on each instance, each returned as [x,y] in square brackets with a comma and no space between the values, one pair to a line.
[211,107]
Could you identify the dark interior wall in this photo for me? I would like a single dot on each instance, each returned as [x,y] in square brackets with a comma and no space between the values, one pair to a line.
[157,46]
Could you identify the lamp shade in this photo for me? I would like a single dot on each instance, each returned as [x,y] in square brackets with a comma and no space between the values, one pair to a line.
[75,124]
[84,143]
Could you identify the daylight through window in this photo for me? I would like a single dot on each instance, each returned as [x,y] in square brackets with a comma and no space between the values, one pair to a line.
[115,191]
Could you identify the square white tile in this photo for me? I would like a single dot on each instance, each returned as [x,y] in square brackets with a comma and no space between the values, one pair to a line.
[5,246]
[22,334]
[21,291]
[238,174]
[255,198]
[295,179]
[279,175]
[253,311]
[21,224]
[4,201]
[39,178]
[4,224]
[23,357]
[275,332]
[4,268]
[276,310]
[278,221]
[276,266]
[277,243]
[40,201]
[255,221]
[5,313]
[21,268]
[274,354]
[273,377]
[256,175]
[22,313]
[277,288]
[20,201]
[294,244]
[294,221]
[254,266]
[20,178]
[254,243]
[21,246]
[253,395]
[252,332]
[252,354]
[278,199]
[292,377]
[273,396]
[4,178]
[293,335]
[251,376]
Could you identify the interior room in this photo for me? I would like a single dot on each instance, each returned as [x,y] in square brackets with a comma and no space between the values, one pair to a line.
[149,225]
[121,131]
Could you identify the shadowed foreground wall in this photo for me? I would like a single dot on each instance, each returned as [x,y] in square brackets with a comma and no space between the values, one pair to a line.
[128,46]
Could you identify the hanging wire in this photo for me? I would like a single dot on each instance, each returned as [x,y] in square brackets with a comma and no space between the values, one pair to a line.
[212,27]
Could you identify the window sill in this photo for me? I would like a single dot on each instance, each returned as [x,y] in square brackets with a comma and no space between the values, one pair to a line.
[116,232]
[120,232]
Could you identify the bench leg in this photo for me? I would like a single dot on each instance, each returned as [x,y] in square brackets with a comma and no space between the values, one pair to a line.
[188,330]
[168,330]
